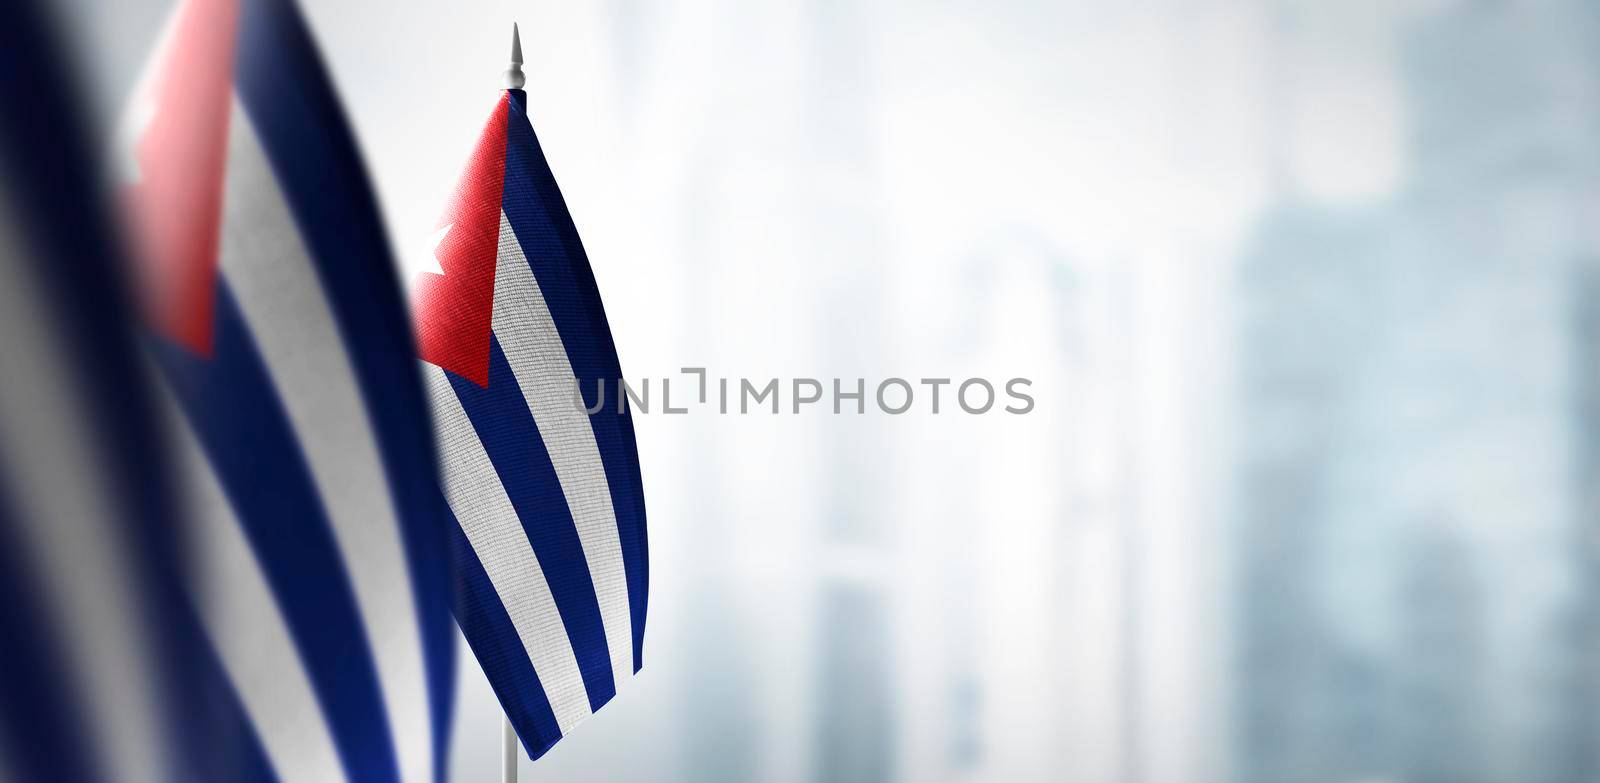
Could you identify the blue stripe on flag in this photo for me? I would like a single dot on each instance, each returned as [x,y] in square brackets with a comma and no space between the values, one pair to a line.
[291,103]
[539,217]
[231,749]
[499,649]
[500,415]
[250,443]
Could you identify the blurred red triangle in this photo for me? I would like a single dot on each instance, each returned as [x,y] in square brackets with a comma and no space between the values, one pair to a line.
[174,198]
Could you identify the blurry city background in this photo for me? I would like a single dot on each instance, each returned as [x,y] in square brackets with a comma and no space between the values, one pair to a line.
[1309,291]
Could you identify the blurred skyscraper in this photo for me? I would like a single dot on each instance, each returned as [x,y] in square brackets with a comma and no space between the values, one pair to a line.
[1415,451]
[1580,634]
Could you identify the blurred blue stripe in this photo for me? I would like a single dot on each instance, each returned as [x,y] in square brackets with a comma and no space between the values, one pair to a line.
[231,403]
[286,91]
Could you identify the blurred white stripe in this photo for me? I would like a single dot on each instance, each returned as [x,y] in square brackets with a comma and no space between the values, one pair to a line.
[68,518]
[243,621]
[495,532]
[538,358]
[271,274]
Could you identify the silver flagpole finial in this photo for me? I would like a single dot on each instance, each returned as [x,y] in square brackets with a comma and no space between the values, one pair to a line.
[514,78]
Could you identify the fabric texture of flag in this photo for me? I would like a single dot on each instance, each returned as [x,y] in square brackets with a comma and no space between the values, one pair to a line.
[286,361]
[550,553]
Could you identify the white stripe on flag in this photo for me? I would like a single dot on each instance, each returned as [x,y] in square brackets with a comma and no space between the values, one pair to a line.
[527,333]
[495,532]
[271,274]
[244,623]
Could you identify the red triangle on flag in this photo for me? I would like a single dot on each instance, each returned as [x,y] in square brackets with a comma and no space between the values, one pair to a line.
[454,310]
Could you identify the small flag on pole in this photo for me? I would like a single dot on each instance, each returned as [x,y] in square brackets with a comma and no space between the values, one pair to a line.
[550,552]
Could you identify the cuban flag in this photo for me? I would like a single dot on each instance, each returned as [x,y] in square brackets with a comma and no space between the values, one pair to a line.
[285,358]
[549,548]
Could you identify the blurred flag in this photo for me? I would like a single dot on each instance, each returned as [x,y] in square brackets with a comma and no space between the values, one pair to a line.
[88,540]
[550,549]
[286,360]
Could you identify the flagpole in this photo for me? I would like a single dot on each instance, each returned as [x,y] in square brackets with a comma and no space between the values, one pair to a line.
[514,77]
[508,733]
[508,751]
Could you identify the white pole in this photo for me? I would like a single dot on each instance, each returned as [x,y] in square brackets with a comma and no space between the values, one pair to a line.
[508,751]
[513,75]
[508,735]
